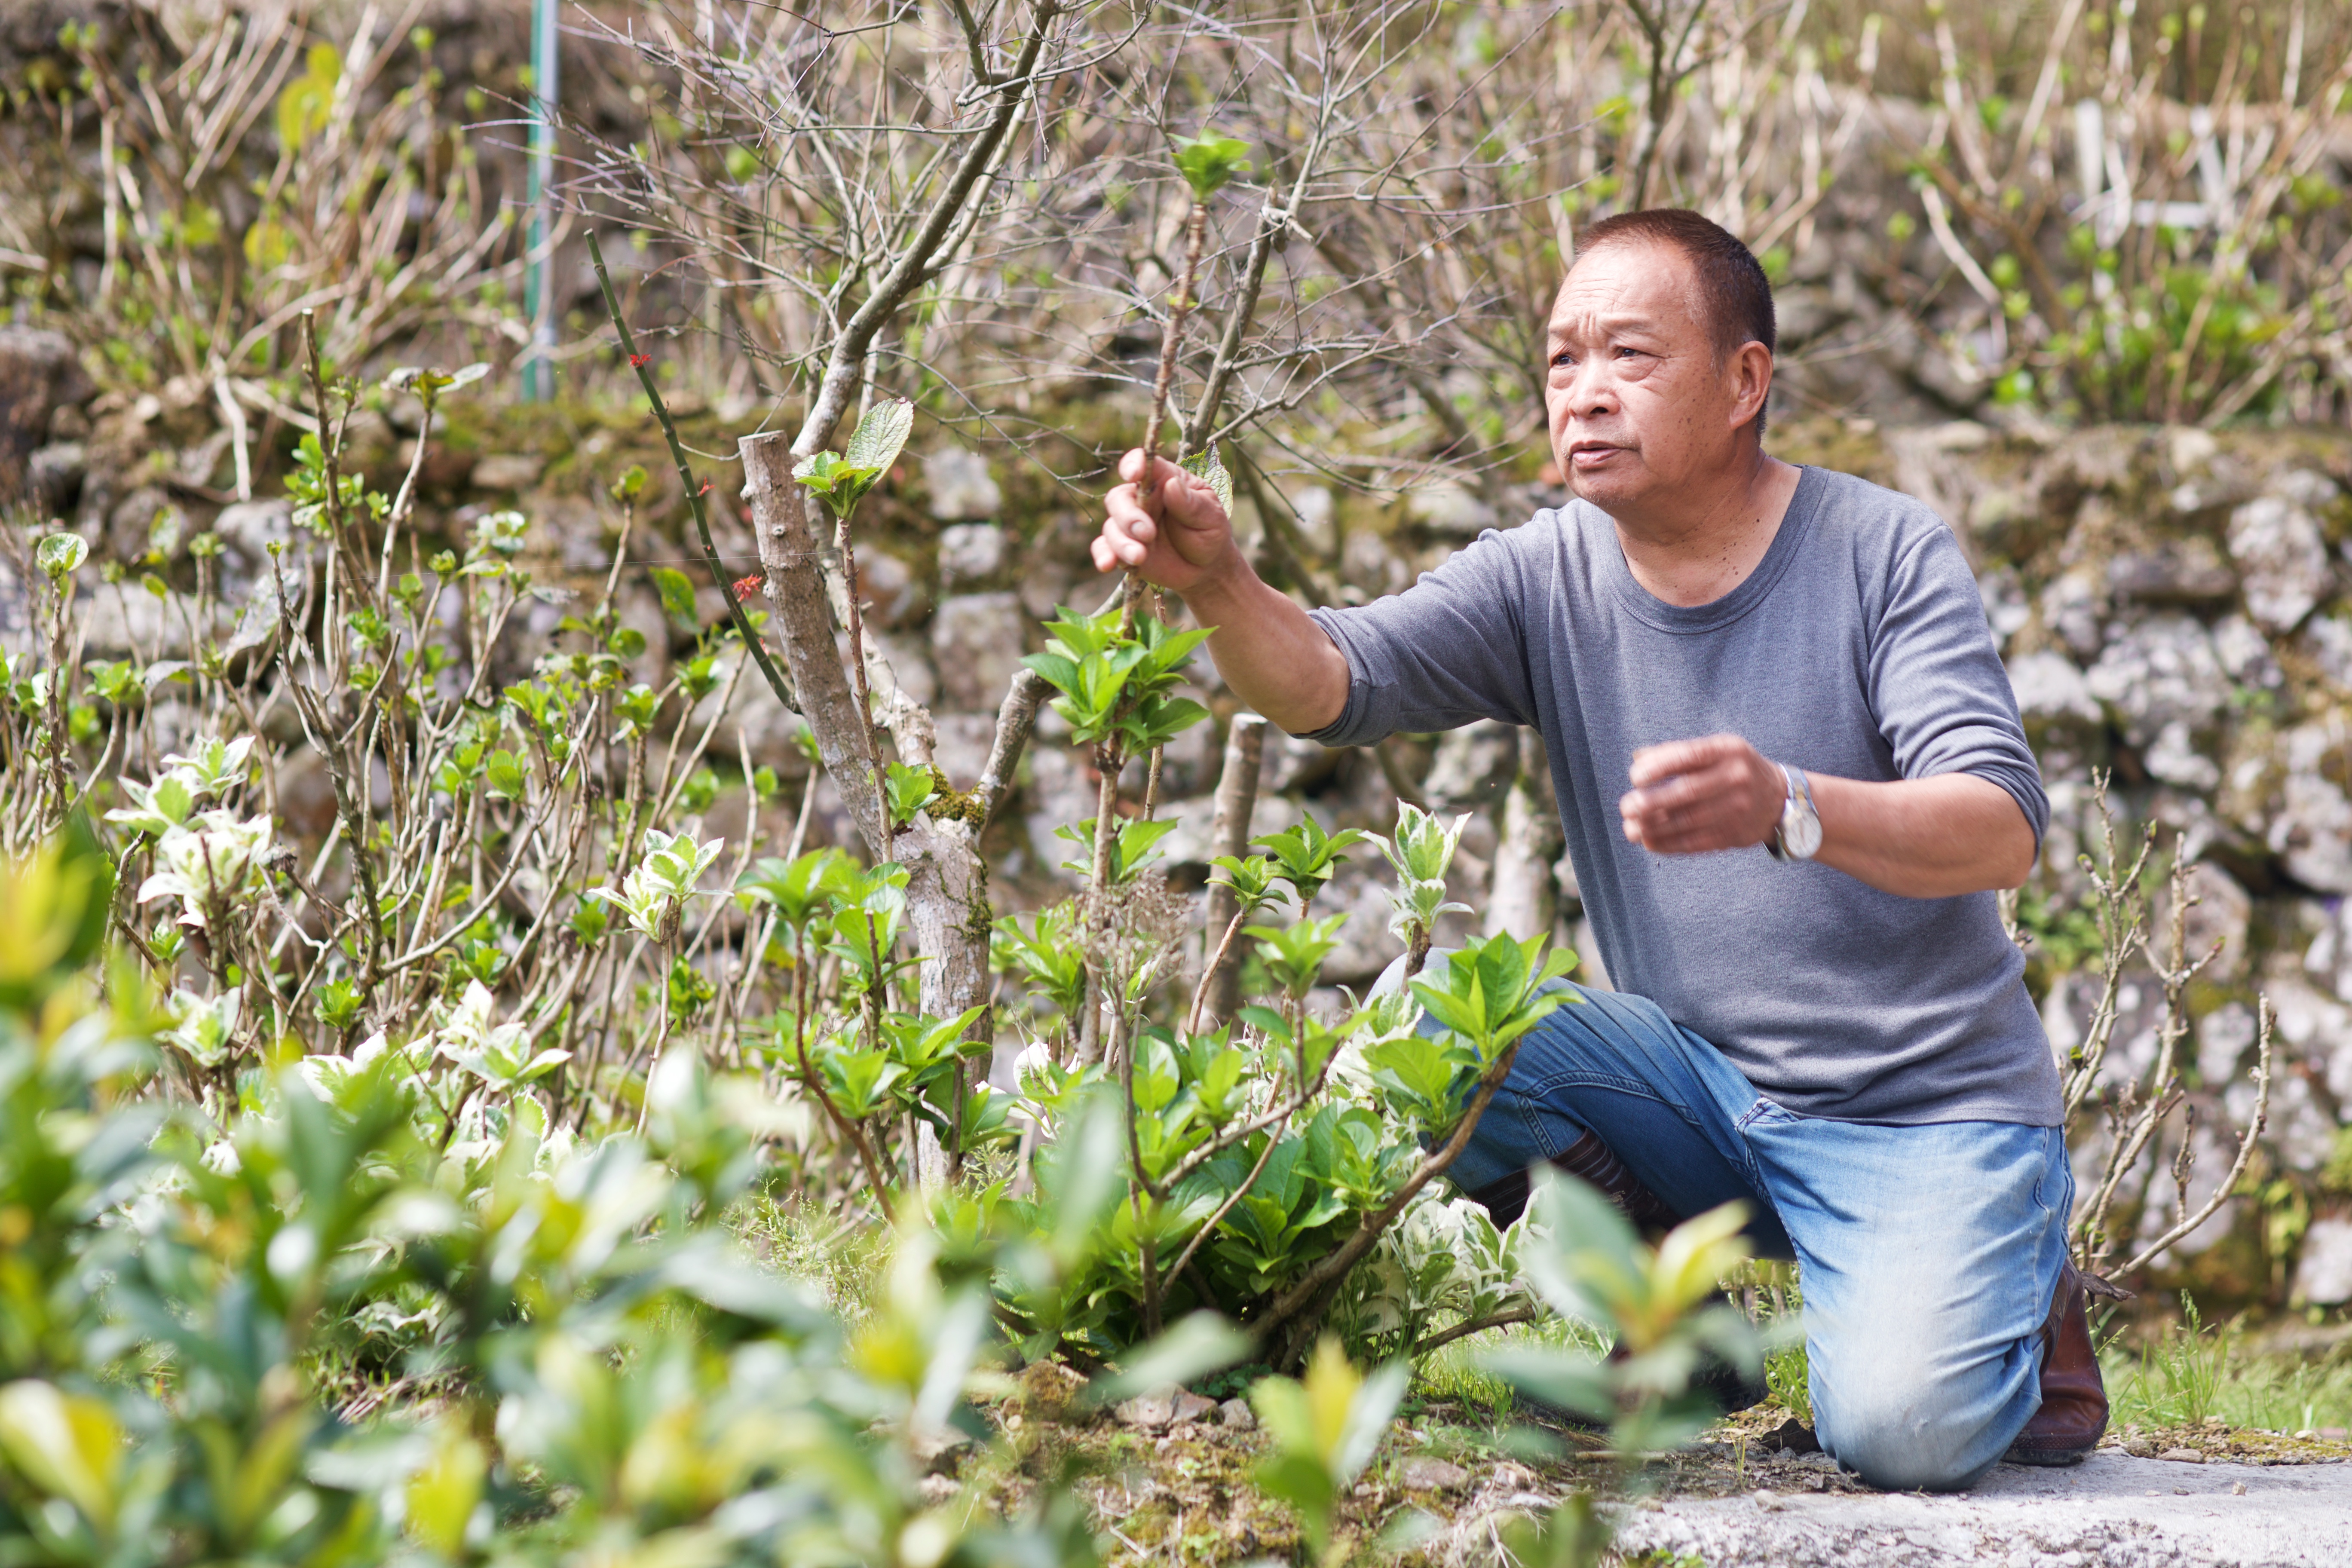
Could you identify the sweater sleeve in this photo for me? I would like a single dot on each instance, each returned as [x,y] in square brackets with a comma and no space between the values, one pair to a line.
[1448,651]
[1937,683]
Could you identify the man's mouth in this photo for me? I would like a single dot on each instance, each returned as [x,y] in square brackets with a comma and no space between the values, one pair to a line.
[1590,454]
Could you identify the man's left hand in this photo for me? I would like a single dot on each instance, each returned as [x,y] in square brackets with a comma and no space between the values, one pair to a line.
[1692,796]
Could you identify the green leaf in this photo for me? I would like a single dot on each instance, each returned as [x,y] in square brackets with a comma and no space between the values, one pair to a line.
[1076,634]
[879,437]
[1059,672]
[1131,849]
[1268,1022]
[676,597]
[1205,465]
[819,471]
[61,555]
[1422,1077]
[1048,953]
[860,1081]
[69,1446]
[1161,720]
[1306,857]
[1250,878]
[1294,954]
[1156,1075]
[303,106]
[1209,161]
[1491,992]
[803,890]
[919,1042]
[910,789]
[503,775]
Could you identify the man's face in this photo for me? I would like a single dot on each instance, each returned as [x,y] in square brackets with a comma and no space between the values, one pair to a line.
[1639,403]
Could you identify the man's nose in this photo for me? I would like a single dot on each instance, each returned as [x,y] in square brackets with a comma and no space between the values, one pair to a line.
[1586,393]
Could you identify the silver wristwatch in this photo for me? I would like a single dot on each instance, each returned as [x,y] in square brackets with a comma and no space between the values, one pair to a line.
[1798,834]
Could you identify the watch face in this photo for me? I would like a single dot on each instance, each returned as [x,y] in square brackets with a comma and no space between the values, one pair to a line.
[1801,832]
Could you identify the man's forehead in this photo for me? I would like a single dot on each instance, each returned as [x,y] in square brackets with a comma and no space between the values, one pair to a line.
[1623,284]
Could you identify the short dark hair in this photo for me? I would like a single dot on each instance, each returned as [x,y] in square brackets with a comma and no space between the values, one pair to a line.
[1733,289]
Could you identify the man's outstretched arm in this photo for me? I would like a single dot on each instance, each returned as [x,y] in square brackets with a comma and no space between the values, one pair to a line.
[1269,652]
[1922,839]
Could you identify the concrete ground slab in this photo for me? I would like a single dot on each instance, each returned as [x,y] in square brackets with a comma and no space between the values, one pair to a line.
[2112,1512]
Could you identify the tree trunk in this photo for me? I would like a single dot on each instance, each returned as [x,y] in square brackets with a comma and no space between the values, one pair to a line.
[947,882]
[1526,900]
[947,916]
[796,594]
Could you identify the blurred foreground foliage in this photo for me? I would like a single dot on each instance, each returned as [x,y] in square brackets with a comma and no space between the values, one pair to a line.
[587,1363]
[550,1350]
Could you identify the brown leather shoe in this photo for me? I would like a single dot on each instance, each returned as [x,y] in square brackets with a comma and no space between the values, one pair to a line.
[2073,1413]
[1593,1161]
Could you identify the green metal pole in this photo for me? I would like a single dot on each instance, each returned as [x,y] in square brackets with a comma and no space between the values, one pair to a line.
[538,374]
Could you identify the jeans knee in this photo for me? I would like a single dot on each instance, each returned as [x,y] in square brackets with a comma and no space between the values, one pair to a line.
[1909,1440]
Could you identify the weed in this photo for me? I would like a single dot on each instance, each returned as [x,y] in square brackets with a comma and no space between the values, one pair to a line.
[1788,1378]
[2179,1378]
[2194,1373]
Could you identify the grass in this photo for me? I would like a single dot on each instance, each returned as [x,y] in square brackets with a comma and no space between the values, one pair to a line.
[1788,1378]
[2263,1393]
[2192,1371]
[1455,1374]
[846,1261]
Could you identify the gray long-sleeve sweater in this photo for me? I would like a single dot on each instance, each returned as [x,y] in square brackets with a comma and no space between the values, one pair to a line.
[1859,648]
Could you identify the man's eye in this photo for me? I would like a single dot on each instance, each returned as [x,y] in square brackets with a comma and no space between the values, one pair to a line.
[1625,352]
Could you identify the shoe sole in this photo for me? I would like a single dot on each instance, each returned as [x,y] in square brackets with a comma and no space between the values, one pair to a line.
[2047,1459]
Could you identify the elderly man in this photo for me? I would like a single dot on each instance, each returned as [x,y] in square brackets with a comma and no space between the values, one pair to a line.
[1782,681]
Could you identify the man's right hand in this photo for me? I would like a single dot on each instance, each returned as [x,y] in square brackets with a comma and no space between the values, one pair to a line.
[1177,540]
[1273,656]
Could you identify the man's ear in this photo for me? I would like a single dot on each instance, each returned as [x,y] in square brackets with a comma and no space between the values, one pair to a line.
[1749,374]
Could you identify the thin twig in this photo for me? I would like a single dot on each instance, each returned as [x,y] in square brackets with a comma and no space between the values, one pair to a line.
[643,365]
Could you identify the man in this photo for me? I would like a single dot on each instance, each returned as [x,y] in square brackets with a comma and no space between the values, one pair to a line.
[1792,773]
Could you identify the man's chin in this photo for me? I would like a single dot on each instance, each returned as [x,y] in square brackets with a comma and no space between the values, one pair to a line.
[1618,484]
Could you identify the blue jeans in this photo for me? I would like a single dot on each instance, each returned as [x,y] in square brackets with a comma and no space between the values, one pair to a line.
[1928,1255]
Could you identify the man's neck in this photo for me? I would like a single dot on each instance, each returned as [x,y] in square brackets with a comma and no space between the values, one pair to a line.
[1698,545]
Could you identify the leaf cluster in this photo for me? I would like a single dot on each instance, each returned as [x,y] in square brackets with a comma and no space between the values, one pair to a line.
[847,479]
[1117,685]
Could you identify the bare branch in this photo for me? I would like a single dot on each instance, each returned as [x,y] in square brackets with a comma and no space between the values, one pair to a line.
[2266,1018]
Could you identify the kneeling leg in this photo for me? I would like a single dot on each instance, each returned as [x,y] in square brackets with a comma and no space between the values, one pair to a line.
[1928,1255]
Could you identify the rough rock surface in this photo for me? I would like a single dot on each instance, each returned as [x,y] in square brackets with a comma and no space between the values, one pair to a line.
[38,373]
[2325,1276]
[2113,1511]
[977,641]
[971,553]
[960,485]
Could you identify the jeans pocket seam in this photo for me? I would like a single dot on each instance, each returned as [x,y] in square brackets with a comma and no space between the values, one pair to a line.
[1582,1079]
[2042,1186]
